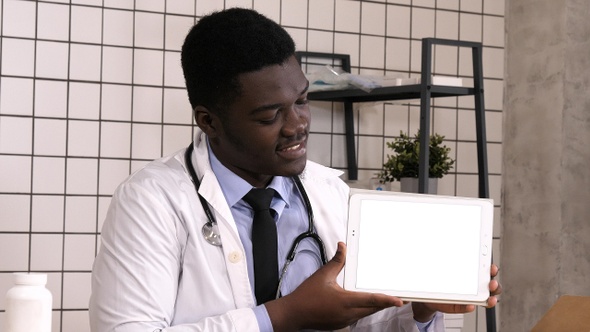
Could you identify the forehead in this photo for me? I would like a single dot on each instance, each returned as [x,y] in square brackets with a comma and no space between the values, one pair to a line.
[273,83]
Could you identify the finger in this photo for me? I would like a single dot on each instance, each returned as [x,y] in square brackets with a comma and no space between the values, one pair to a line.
[374,300]
[492,301]
[495,287]
[494,269]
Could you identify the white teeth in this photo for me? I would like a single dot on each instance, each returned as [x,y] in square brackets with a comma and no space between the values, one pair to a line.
[293,147]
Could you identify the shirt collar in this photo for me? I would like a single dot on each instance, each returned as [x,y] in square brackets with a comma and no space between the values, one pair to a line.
[234,187]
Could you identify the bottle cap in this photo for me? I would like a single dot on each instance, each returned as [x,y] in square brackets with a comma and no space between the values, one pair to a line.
[38,279]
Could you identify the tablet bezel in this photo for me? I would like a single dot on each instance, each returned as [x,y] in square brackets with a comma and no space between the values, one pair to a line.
[485,247]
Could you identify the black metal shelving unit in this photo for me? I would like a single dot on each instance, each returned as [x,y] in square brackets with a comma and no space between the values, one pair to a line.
[424,91]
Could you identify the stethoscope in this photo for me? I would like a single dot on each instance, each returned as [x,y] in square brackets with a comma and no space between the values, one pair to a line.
[211,233]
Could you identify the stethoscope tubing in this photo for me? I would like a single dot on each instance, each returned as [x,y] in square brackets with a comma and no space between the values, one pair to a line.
[214,239]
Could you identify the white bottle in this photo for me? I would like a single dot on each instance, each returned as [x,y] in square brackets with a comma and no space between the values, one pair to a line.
[28,304]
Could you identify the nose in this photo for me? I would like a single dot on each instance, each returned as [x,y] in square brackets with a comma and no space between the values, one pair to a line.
[296,121]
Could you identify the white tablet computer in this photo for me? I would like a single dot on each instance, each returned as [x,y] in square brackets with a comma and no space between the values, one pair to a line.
[424,248]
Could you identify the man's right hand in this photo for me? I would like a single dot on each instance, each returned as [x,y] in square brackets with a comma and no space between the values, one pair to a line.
[320,303]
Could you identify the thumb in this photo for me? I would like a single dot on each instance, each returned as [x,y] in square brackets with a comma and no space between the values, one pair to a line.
[337,262]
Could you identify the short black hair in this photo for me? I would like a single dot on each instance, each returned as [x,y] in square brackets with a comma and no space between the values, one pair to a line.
[223,45]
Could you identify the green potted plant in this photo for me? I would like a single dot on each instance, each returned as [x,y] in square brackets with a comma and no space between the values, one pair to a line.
[403,164]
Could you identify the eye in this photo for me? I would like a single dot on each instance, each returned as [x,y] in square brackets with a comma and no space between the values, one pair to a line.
[269,117]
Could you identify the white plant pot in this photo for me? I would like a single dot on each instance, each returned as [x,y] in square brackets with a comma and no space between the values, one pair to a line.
[410,185]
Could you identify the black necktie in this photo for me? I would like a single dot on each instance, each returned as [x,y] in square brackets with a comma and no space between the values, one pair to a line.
[264,245]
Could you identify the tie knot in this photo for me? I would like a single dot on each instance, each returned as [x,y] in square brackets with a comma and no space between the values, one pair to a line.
[259,199]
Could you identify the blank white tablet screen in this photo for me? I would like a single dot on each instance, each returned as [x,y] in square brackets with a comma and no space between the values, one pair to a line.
[411,246]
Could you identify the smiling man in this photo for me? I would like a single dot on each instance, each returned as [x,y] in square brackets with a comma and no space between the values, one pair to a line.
[178,259]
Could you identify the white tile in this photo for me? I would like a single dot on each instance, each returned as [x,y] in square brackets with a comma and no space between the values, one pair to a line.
[146,141]
[373,18]
[321,14]
[87,2]
[470,27]
[445,122]
[299,36]
[15,212]
[118,27]
[16,135]
[466,64]
[347,16]
[424,3]
[207,7]
[177,108]
[471,5]
[115,140]
[493,62]
[81,214]
[370,152]
[53,21]
[112,173]
[103,205]
[294,13]
[148,67]
[123,4]
[149,30]
[370,120]
[116,102]
[18,57]
[173,75]
[238,3]
[445,60]
[397,54]
[138,164]
[180,7]
[86,24]
[396,119]
[493,7]
[449,4]
[372,52]
[54,286]
[403,2]
[493,126]
[422,23]
[320,41]
[467,185]
[494,152]
[50,137]
[48,175]
[151,5]
[16,96]
[493,31]
[46,252]
[47,213]
[85,62]
[317,147]
[76,290]
[51,98]
[466,157]
[78,252]
[270,9]
[466,124]
[321,116]
[18,247]
[52,60]
[84,101]
[15,174]
[117,64]
[338,118]
[147,104]
[398,21]
[177,27]
[76,321]
[19,19]
[339,158]
[416,56]
[175,138]
[82,176]
[447,24]
[494,94]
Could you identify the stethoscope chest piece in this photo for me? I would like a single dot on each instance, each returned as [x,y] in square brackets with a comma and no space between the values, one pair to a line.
[211,234]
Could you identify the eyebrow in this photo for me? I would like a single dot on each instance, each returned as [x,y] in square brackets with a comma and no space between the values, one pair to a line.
[277,105]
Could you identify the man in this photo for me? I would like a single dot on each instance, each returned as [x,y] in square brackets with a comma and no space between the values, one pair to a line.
[159,268]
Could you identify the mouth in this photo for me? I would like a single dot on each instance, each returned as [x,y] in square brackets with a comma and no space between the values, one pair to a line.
[293,151]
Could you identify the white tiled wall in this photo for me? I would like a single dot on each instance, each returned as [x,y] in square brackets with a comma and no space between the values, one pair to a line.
[91,90]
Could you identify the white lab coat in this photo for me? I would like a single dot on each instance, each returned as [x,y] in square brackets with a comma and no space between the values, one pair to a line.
[156,271]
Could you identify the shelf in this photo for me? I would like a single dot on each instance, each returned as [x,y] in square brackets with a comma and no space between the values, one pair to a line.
[401,92]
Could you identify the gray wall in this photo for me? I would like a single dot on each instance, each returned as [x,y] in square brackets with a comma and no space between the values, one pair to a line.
[546,162]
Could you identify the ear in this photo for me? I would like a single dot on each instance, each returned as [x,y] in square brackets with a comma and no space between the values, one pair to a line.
[206,120]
